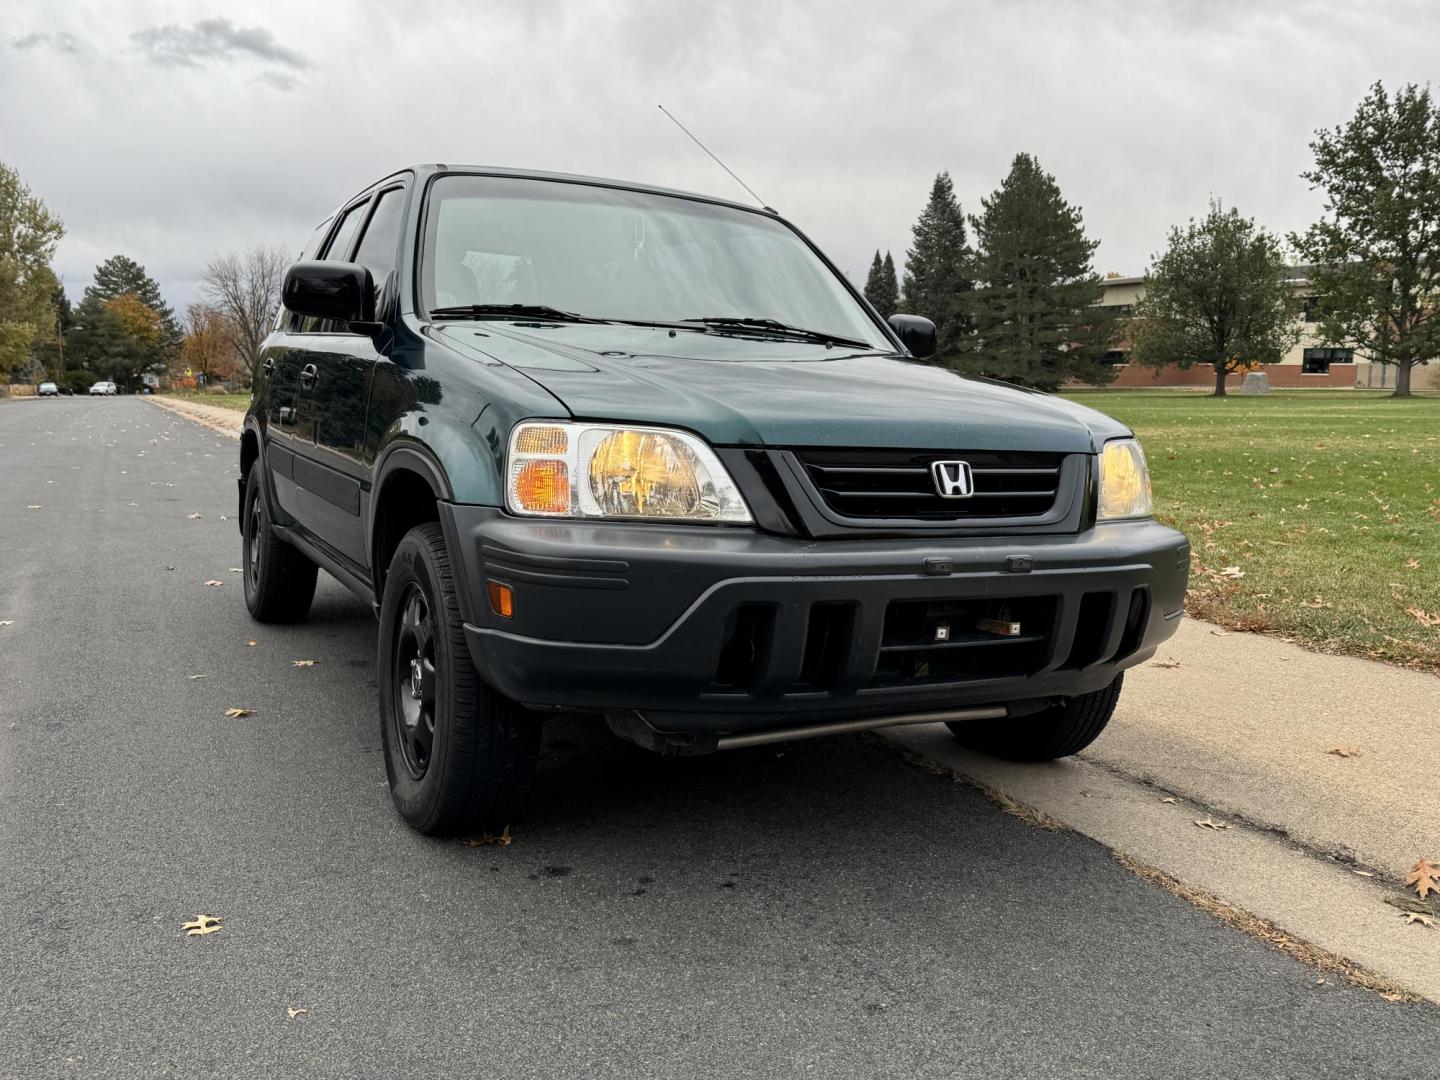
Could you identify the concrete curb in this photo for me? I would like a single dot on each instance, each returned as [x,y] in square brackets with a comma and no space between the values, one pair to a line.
[1322,902]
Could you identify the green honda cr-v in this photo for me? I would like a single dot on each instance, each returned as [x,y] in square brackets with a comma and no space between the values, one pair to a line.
[595,446]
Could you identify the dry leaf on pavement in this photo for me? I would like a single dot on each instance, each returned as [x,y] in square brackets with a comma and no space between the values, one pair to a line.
[239,712]
[197,676]
[251,643]
[214,581]
[292,1013]
[7,622]
[1208,823]
[1169,799]
[302,663]
[196,515]
[485,839]
[236,570]
[1167,663]
[1425,876]
[1412,917]
[203,924]
[1345,751]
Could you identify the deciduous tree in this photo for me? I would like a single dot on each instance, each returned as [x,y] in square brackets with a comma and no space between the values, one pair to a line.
[207,350]
[28,235]
[1218,296]
[1376,251]
[245,289]
[1037,317]
[938,278]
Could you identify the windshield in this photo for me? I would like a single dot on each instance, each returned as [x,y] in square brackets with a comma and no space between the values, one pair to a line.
[615,254]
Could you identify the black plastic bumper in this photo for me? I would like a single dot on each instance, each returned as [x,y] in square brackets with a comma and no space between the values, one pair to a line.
[720,630]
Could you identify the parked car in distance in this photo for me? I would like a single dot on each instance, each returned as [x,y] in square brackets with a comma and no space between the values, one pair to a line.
[47,389]
[104,388]
[590,445]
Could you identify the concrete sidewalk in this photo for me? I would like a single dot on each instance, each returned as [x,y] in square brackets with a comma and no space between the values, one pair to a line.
[1245,725]
[215,417]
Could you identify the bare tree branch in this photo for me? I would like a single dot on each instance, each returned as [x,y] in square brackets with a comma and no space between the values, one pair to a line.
[245,289]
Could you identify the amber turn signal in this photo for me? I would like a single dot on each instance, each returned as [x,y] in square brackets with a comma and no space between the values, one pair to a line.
[541,486]
[502,599]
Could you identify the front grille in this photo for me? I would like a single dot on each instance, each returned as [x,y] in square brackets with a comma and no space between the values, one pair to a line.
[897,484]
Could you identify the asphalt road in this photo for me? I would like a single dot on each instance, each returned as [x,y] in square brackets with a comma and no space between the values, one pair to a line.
[821,909]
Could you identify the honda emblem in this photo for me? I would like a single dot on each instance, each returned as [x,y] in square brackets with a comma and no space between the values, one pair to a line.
[952,479]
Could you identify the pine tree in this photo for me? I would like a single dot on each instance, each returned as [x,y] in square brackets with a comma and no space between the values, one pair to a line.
[1037,319]
[892,286]
[881,288]
[121,274]
[938,269]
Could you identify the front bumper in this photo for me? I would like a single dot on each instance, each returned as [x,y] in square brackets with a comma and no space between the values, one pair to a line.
[703,629]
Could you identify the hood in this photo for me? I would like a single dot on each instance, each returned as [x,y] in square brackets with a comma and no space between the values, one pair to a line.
[749,391]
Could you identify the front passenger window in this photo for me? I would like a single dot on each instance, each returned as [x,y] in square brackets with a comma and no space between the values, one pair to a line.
[377,250]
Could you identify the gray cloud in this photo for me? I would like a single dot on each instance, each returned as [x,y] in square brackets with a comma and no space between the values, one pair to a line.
[279,80]
[59,41]
[213,39]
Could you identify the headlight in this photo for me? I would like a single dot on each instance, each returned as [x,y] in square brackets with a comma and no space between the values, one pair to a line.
[559,469]
[1124,481]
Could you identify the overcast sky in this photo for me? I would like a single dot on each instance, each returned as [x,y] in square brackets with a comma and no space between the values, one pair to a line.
[172,131]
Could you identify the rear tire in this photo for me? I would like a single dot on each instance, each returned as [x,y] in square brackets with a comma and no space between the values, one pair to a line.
[279,580]
[1057,732]
[460,757]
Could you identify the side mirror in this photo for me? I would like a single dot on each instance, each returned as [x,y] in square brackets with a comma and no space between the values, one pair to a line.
[341,291]
[916,333]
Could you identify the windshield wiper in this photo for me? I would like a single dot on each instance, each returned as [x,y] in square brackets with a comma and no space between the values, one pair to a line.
[509,311]
[771,326]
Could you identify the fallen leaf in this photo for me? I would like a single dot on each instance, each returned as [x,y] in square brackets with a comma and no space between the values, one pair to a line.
[1425,876]
[1217,633]
[239,712]
[34,506]
[197,676]
[236,570]
[1393,997]
[252,642]
[1424,618]
[486,839]
[1363,873]
[1411,918]
[1345,751]
[1167,663]
[1207,823]
[7,622]
[214,581]
[1412,564]
[1234,573]
[302,663]
[1169,799]
[292,1013]
[195,516]
[203,924]
[1318,602]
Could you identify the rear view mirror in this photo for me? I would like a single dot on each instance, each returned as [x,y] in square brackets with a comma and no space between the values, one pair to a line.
[330,290]
[916,333]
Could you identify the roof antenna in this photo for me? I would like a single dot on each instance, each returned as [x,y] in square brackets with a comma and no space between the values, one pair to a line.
[717,161]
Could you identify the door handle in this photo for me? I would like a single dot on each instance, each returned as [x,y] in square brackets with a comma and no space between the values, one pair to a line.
[269,366]
[308,374]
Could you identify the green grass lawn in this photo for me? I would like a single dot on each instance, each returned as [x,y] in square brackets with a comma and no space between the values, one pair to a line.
[1327,502]
[238,402]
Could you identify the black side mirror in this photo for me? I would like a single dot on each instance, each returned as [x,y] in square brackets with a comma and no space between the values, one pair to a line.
[330,290]
[916,333]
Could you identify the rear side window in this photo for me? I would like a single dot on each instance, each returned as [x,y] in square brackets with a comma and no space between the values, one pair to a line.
[382,236]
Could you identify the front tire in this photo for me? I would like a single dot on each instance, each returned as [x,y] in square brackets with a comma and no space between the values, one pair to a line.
[460,757]
[279,580]
[1057,732]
